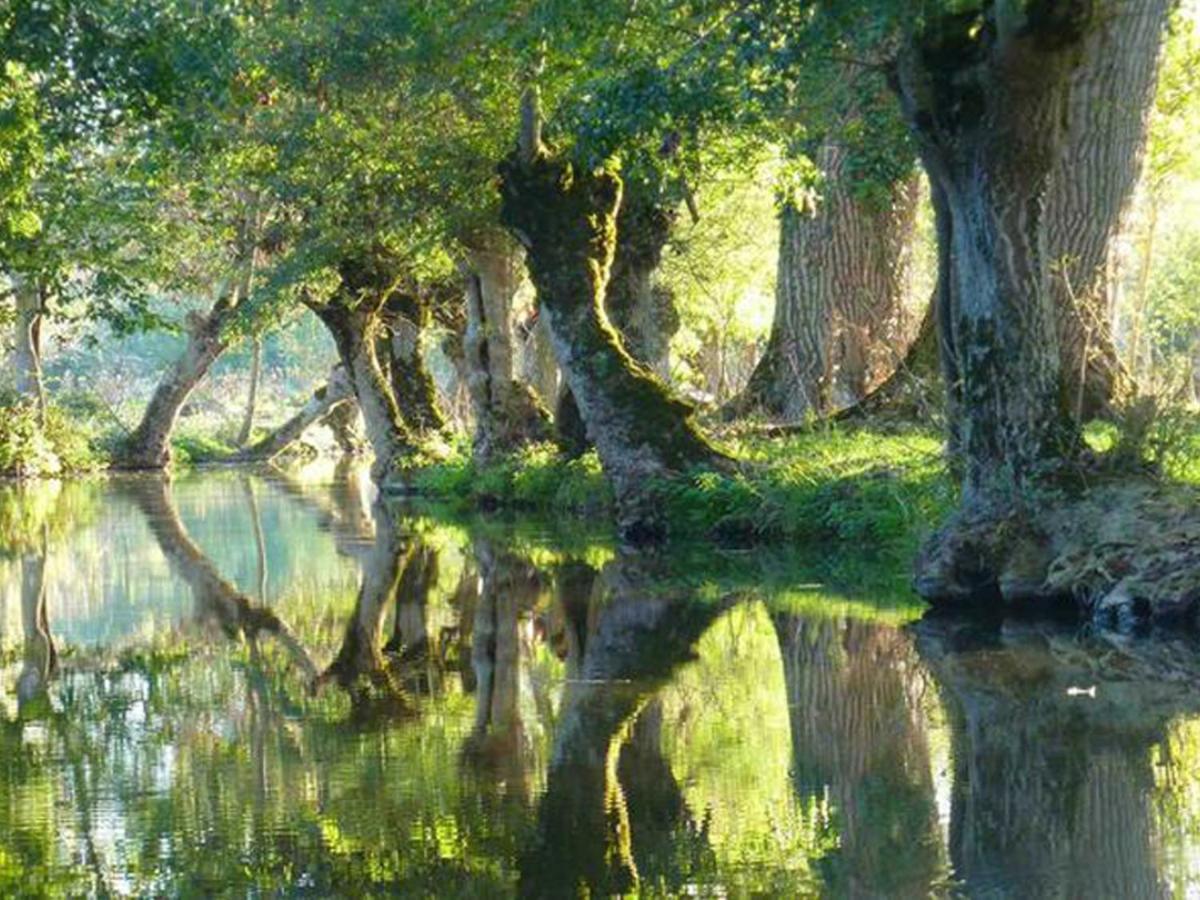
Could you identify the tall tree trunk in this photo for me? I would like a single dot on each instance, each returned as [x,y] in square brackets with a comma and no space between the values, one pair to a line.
[566,219]
[507,414]
[336,392]
[354,319]
[540,368]
[27,345]
[408,316]
[842,275]
[987,108]
[252,395]
[1112,95]
[149,447]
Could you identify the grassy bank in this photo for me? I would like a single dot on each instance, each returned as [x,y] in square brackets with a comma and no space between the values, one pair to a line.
[857,485]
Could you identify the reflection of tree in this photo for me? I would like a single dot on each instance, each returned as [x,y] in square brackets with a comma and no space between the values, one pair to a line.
[501,647]
[1052,786]
[217,600]
[40,657]
[585,834]
[858,737]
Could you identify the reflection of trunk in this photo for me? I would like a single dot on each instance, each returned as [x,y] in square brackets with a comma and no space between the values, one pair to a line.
[149,447]
[410,632]
[566,219]
[359,666]
[507,414]
[583,842]
[410,316]
[500,738]
[40,655]
[334,393]
[217,600]
[987,115]
[1112,94]
[854,699]
[353,318]
[1052,790]
[27,346]
[247,428]
[842,274]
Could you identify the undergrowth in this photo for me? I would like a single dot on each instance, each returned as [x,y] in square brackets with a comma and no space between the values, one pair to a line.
[27,450]
[831,484]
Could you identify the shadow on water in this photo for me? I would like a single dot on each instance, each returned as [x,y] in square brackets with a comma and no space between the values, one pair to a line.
[381,699]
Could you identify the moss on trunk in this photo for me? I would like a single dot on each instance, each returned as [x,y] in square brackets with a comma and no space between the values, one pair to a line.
[566,219]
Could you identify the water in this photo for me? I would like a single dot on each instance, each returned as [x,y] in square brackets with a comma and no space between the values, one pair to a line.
[261,685]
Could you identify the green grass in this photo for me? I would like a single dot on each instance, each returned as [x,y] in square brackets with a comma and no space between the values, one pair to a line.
[831,484]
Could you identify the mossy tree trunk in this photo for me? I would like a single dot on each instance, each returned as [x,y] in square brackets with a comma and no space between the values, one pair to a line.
[354,317]
[1112,95]
[507,414]
[987,111]
[408,316]
[843,272]
[566,219]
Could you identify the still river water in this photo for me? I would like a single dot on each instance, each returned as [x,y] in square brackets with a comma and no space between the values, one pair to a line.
[265,685]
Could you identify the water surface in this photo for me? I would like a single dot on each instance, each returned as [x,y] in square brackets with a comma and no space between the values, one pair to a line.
[260,685]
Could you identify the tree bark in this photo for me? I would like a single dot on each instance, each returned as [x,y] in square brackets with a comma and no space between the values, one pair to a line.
[27,346]
[408,316]
[507,414]
[149,447]
[842,275]
[1112,95]
[336,392]
[247,428]
[354,319]
[566,219]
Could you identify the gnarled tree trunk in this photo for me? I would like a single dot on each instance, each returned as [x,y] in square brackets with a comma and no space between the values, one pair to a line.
[408,316]
[842,275]
[354,319]
[507,414]
[566,219]
[987,109]
[1112,94]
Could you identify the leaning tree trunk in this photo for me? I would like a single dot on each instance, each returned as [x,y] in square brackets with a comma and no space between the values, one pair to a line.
[336,392]
[842,276]
[409,316]
[27,346]
[566,219]
[354,319]
[507,414]
[149,447]
[1112,94]
[987,111]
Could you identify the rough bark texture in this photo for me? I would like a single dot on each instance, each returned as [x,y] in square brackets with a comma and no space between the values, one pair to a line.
[336,392]
[507,414]
[540,370]
[149,447]
[643,314]
[566,219]
[354,319]
[408,316]
[26,357]
[912,390]
[842,275]
[1112,94]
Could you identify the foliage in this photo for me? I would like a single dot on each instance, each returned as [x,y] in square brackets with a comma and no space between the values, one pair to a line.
[29,450]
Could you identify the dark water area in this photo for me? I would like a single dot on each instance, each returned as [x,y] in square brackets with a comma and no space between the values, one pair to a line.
[238,684]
